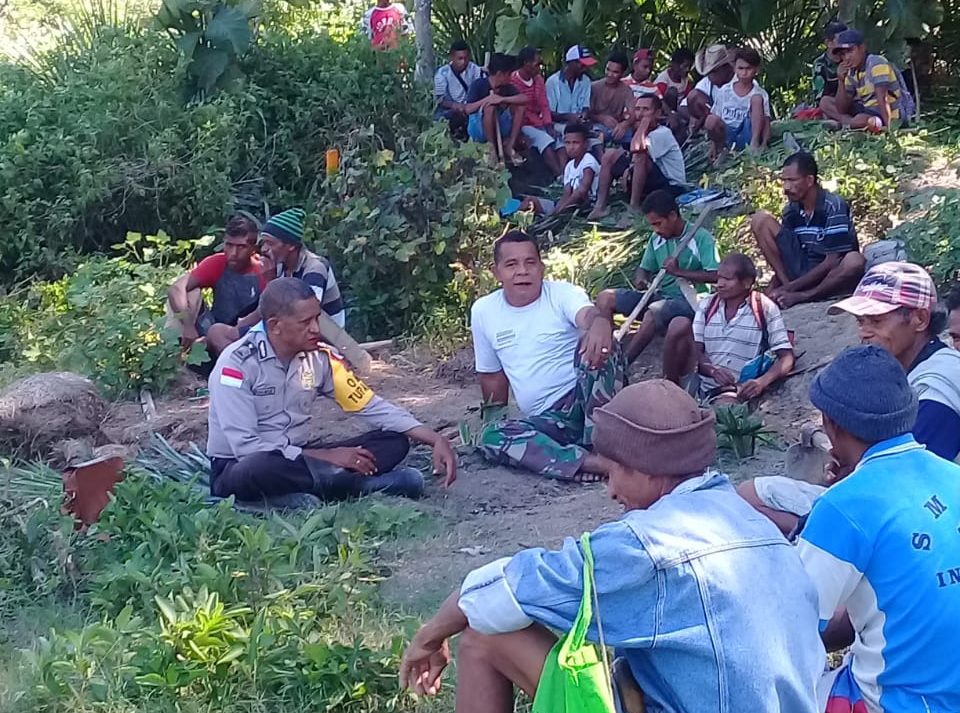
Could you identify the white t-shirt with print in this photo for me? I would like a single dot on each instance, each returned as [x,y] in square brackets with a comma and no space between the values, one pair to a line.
[573,173]
[533,345]
[733,108]
[664,151]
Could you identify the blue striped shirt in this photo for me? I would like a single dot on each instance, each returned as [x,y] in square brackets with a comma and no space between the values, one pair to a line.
[829,230]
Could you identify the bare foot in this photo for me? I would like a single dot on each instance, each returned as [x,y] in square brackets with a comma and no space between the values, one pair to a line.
[599,213]
[789,299]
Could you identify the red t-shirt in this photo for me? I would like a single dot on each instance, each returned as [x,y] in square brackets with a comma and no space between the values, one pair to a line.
[211,269]
[537,110]
[384,23]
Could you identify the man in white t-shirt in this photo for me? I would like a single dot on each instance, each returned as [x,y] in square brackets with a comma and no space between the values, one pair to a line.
[740,115]
[655,160]
[554,348]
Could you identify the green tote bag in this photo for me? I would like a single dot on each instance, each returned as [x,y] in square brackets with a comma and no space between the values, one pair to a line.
[575,678]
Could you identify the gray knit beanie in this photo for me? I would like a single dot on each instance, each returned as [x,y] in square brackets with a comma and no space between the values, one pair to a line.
[865,392]
[657,428]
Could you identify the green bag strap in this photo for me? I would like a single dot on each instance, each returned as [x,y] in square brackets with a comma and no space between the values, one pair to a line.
[578,634]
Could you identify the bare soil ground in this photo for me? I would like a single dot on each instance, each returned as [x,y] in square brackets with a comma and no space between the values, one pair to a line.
[493,511]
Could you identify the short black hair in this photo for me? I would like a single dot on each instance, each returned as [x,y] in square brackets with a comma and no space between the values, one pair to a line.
[527,54]
[655,98]
[581,129]
[805,162]
[459,46]
[682,55]
[939,316]
[512,236]
[833,29]
[281,294]
[619,57]
[742,265]
[500,62]
[242,225]
[661,202]
[749,55]
[952,300]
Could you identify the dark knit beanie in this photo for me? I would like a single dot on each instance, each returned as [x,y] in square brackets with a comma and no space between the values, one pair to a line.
[865,392]
[657,428]
[286,226]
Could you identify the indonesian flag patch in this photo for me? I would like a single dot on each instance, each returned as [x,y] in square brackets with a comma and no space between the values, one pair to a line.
[231,377]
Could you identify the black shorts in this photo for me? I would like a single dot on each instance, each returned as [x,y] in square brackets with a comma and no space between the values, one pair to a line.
[655,178]
[664,310]
[797,260]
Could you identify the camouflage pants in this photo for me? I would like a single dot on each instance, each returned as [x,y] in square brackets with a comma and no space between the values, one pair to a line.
[555,442]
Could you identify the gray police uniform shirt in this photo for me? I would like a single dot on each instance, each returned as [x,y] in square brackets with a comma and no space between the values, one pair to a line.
[260,405]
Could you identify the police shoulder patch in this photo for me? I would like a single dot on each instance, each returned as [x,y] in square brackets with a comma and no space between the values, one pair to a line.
[243,352]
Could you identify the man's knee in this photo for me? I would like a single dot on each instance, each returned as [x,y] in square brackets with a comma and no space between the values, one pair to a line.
[853,264]
[679,329]
[220,336]
[763,225]
[607,300]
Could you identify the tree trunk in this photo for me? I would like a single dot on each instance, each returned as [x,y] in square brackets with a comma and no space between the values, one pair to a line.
[426,61]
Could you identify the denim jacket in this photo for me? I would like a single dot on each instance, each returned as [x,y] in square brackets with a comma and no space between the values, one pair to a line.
[707,601]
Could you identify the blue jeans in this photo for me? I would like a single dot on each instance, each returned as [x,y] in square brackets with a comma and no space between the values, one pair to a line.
[739,137]
[475,125]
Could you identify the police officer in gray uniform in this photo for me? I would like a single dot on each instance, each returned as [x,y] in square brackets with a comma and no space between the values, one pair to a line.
[261,392]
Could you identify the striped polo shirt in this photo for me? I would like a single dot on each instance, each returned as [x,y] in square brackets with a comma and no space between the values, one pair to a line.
[829,230]
[731,344]
[317,272]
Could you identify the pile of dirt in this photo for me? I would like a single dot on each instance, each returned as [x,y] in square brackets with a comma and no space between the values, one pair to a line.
[457,369]
[40,410]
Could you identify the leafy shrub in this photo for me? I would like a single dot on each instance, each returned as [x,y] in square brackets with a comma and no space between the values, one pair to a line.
[412,226]
[203,607]
[931,235]
[85,159]
[105,320]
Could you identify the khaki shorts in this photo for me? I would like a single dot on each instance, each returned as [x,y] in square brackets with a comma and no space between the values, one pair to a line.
[779,492]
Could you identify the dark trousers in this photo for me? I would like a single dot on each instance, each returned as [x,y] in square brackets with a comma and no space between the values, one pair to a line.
[264,475]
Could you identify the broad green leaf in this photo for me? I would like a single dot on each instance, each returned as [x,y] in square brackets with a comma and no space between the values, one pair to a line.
[208,66]
[187,43]
[230,30]
[509,33]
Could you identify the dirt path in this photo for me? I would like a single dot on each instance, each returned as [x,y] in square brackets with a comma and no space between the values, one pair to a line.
[493,511]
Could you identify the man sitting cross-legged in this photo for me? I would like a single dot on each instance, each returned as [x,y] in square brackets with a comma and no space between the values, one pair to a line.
[554,348]
[697,264]
[730,339]
[705,601]
[261,393]
[813,250]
